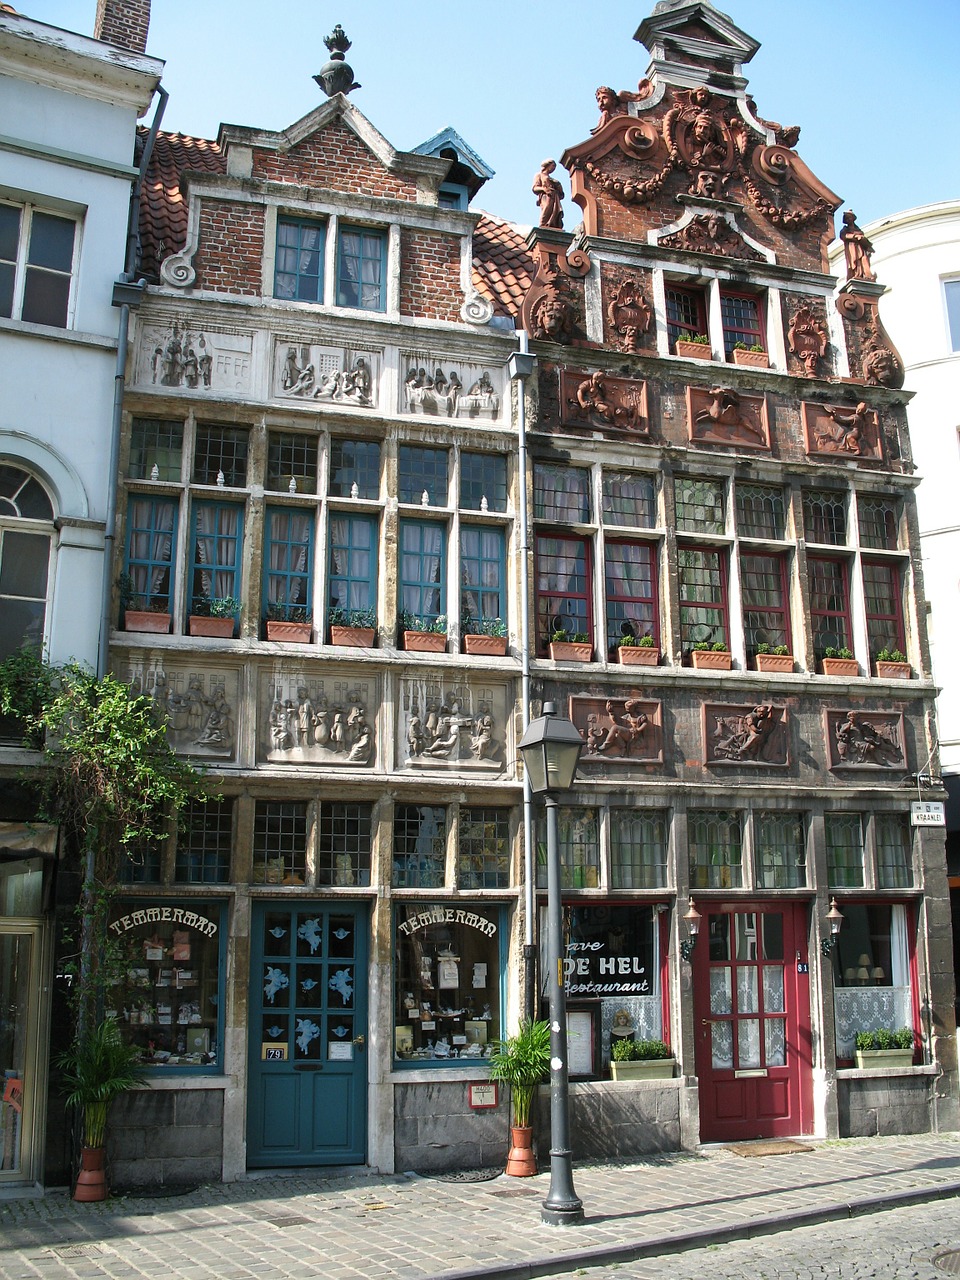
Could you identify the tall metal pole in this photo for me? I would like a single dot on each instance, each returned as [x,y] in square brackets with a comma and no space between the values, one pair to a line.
[562,1207]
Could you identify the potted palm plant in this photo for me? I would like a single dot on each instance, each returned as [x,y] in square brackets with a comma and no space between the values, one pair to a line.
[214,616]
[892,665]
[487,636]
[522,1061]
[424,634]
[711,657]
[839,662]
[776,658]
[695,346]
[97,1068]
[637,651]
[641,1060]
[353,627]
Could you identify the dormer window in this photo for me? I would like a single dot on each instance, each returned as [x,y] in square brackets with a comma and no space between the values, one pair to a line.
[361,268]
[299,270]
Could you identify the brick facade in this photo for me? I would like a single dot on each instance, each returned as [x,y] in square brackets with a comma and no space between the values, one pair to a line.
[430,275]
[337,160]
[124,23]
[229,259]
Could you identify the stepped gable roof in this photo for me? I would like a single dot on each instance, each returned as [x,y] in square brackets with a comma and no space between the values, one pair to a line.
[503,267]
[163,210]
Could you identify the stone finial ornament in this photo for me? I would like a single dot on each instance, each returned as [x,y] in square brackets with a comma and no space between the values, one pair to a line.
[549,195]
[336,76]
[857,249]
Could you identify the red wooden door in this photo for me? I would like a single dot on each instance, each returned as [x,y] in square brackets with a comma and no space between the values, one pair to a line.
[752,1022]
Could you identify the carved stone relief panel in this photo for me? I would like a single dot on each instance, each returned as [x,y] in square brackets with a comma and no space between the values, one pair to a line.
[451,390]
[619,730]
[329,720]
[710,233]
[198,703]
[319,374]
[599,400]
[852,431]
[194,359]
[450,725]
[864,739]
[753,735]
[722,415]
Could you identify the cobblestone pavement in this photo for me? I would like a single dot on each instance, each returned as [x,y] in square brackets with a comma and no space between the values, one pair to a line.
[896,1244]
[362,1226]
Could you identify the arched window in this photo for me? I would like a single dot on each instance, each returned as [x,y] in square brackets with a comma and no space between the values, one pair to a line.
[26,529]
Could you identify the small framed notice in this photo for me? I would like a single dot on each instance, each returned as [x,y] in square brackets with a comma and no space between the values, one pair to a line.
[340,1051]
[483,1096]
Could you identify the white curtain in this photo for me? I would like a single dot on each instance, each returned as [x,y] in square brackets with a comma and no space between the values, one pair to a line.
[217,533]
[289,555]
[152,544]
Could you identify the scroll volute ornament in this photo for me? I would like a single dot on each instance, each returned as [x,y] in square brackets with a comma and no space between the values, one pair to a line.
[629,315]
[807,340]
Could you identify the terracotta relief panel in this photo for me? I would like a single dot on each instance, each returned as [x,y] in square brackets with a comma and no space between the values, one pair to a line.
[198,703]
[599,400]
[852,431]
[745,735]
[452,390]
[865,739]
[317,720]
[325,375]
[452,726]
[193,359]
[619,730]
[627,310]
[722,415]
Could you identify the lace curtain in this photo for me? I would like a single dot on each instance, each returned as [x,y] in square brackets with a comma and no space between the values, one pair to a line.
[289,553]
[870,1008]
[217,534]
[151,544]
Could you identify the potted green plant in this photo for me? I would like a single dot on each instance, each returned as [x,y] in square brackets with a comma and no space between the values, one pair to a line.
[487,636]
[637,651]
[839,662]
[754,355]
[711,657]
[640,1060]
[775,658]
[892,665]
[214,616]
[352,627]
[695,346]
[97,1068]
[885,1048]
[149,614]
[424,634]
[570,647]
[522,1061]
[289,622]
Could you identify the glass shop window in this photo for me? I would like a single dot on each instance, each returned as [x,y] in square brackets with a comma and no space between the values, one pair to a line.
[169,999]
[579,849]
[447,969]
[871,972]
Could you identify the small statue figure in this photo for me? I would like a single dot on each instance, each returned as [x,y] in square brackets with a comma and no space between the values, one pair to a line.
[549,195]
[857,249]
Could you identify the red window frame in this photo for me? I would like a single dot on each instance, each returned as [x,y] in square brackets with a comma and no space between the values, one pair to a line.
[822,615]
[619,602]
[777,629]
[720,605]
[885,629]
[676,327]
[752,336]
[551,599]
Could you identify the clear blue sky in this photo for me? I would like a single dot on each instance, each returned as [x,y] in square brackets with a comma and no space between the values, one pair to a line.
[873,83]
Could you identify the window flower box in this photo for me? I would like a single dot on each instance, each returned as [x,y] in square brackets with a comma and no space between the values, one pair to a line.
[711,659]
[753,359]
[891,670]
[634,655]
[290,632]
[693,350]
[486,646]
[884,1059]
[570,651]
[643,1069]
[353,637]
[145,621]
[425,641]
[840,667]
[220,628]
[775,663]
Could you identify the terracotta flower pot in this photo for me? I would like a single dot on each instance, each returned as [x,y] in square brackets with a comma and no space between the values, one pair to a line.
[145,621]
[354,637]
[424,641]
[221,628]
[92,1178]
[711,659]
[841,667]
[291,632]
[521,1161]
[893,670]
[631,655]
[693,350]
[570,651]
[488,646]
[776,662]
[756,359]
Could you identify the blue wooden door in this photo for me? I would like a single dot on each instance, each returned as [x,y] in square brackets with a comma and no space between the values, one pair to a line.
[307,1086]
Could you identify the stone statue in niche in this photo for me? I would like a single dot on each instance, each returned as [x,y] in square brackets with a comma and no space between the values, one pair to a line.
[721,415]
[446,731]
[749,736]
[318,374]
[807,340]
[552,317]
[549,195]
[305,725]
[866,738]
[613,104]
[629,315]
[857,249]
[618,729]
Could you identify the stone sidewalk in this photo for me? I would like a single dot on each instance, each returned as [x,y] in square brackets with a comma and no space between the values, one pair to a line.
[361,1226]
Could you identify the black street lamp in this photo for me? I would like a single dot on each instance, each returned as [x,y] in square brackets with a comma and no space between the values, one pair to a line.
[551,750]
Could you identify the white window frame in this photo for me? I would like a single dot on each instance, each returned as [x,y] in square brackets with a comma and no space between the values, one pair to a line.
[27,210]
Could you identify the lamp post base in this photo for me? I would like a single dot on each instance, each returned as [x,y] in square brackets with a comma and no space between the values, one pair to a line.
[562,1215]
[562,1207]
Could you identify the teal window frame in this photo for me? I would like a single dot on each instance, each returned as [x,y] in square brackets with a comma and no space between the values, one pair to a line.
[422,595]
[370,260]
[153,567]
[352,584]
[307,285]
[224,573]
[295,571]
[482,572]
